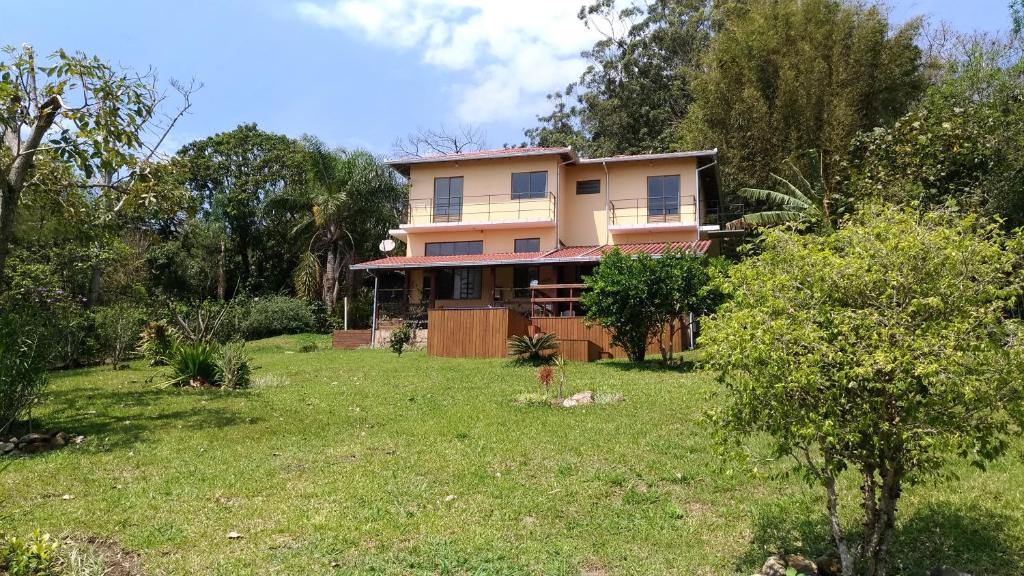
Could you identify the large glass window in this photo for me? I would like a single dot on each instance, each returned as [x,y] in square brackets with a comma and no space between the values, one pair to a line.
[529,185]
[448,199]
[459,283]
[527,245]
[453,248]
[662,196]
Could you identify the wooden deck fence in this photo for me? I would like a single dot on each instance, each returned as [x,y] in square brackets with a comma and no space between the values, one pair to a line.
[484,333]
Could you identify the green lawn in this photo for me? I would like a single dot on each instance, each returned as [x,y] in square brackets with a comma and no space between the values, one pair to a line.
[343,462]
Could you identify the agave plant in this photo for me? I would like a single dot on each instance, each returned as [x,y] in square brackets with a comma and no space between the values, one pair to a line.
[792,203]
[233,370]
[193,364]
[539,349]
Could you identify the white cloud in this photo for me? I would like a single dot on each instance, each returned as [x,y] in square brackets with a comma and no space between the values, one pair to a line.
[512,52]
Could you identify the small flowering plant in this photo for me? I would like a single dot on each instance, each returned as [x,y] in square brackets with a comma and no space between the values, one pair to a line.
[545,374]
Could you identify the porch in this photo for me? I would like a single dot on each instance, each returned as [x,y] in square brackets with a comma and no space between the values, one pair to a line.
[470,305]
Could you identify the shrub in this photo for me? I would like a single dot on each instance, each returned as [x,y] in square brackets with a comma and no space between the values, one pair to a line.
[118,330]
[193,364]
[156,341]
[32,556]
[308,347]
[23,363]
[539,349]
[277,315]
[880,350]
[400,338]
[233,369]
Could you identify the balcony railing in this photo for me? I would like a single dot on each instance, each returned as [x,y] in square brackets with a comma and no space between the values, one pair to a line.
[635,211]
[482,208]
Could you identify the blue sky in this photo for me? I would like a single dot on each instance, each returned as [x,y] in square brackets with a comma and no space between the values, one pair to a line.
[357,73]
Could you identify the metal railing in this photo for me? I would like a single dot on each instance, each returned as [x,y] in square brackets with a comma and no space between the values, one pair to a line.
[642,210]
[480,208]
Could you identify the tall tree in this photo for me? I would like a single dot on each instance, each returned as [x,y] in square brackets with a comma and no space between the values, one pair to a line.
[963,143]
[87,114]
[235,173]
[637,85]
[349,203]
[782,77]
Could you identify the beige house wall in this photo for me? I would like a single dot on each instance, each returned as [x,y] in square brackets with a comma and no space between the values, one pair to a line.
[582,220]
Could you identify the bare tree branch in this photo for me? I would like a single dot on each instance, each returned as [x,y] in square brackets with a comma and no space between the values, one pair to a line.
[466,138]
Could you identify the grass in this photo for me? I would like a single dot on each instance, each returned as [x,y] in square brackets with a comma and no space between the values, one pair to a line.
[361,462]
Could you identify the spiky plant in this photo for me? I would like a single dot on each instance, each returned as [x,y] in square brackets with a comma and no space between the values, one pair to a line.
[539,349]
[193,364]
[233,370]
[156,341]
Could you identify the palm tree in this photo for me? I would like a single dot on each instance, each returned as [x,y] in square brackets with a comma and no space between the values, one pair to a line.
[349,202]
[799,203]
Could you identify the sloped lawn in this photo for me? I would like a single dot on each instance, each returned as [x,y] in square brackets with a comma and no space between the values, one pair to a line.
[361,462]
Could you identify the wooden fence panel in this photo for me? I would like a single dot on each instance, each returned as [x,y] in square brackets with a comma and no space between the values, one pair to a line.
[477,333]
[573,329]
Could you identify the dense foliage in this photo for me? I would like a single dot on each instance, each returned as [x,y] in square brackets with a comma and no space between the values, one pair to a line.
[636,297]
[884,348]
[275,315]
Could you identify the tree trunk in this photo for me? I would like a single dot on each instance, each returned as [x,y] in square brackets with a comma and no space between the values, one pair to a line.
[330,280]
[95,283]
[845,558]
[8,205]
[222,281]
[12,183]
[877,554]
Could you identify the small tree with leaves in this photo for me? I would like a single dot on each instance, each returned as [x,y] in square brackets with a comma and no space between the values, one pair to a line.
[630,297]
[883,348]
[100,121]
[691,289]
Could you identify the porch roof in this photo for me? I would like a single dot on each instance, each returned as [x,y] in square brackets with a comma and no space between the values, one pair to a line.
[568,255]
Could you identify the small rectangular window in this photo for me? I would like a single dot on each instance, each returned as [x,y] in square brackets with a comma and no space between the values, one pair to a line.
[527,185]
[453,248]
[527,245]
[588,186]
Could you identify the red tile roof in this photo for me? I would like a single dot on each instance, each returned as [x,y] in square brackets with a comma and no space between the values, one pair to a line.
[562,255]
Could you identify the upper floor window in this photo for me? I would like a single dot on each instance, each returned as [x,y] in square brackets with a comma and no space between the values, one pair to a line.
[448,199]
[588,186]
[527,245]
[529,185]
[453,248]
[663,195]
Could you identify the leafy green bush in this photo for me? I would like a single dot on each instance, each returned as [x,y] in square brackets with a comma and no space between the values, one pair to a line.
[277,315]
[32,556]
[118,330]
[24,359]
[233,370]
[193,364]
[308,347]
[156,341]
[400,338]
[539,349]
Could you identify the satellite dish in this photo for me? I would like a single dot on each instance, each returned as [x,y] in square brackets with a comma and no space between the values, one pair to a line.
[387,245]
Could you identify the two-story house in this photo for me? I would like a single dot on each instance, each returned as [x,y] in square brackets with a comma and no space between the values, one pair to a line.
[517,229]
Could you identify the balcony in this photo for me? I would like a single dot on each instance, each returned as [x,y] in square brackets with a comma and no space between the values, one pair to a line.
[482,211]
[643,214]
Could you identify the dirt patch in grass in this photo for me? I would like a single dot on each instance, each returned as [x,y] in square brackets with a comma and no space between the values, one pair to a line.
[100,556]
